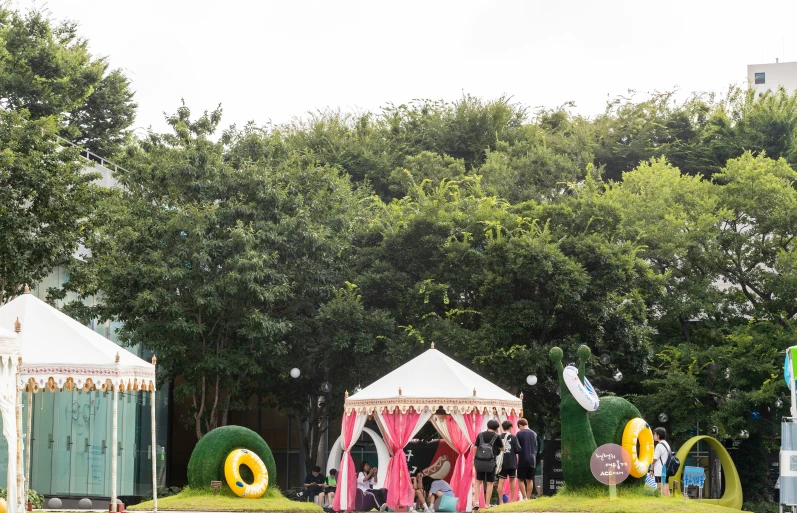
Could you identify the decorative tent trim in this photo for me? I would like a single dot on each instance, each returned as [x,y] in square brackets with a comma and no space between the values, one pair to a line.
[49,377]
[448,405]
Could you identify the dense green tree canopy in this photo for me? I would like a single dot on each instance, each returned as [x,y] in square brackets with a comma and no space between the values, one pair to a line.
[46,201]
[46,69]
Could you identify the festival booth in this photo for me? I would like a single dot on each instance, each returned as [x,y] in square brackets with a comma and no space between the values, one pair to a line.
[56,353]
[430,388]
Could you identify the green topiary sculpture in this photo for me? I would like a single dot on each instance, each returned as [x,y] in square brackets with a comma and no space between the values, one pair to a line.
[582,431]
[207,460]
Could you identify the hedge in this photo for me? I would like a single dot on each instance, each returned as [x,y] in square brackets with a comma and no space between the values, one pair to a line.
[207,460]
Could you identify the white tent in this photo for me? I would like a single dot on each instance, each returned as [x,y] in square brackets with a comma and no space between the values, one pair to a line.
[58,352]
[431,381]
[431,387]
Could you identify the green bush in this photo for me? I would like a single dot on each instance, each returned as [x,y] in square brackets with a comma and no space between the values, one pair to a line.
[761,507]
[207,460]
[163,491]
[33,497]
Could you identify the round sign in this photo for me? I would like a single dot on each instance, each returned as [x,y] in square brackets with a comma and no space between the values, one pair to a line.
[610,464]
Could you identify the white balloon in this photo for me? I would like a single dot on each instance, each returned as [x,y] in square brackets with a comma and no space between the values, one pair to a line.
[295,373]
[531,379]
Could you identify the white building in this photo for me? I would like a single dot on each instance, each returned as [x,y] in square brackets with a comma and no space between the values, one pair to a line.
[769,77]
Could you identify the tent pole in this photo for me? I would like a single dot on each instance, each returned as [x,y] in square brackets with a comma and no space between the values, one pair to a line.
[154,454]
[114,445]
[20,472]
[28,436]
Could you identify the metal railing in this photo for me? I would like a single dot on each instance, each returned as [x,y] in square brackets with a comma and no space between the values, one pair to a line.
[91,156]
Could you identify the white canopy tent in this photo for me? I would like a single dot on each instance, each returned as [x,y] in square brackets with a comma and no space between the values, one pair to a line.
[431,387]
[59,353]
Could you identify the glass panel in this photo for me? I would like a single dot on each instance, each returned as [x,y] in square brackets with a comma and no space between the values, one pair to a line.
[81,421]
[42,444]
[760,78]
[98,440]
[62,442]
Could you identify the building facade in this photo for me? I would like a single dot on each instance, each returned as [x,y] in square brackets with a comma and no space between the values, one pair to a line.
[770,77]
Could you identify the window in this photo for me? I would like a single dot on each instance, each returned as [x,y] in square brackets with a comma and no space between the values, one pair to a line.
[760,78]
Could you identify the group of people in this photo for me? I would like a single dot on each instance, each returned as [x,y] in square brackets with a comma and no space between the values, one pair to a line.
[499,456]
[506,457]
[320,489]
[511,457]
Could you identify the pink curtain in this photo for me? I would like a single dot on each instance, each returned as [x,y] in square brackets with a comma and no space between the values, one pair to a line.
[512,417]
[462,443]
[347,477]
[397,429]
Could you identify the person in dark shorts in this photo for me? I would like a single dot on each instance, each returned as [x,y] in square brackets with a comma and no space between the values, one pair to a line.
[527,458]
[314,485]
[511,447]
[332,486]
[486,478]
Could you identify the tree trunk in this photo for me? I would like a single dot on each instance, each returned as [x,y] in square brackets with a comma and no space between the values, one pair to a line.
[199,410]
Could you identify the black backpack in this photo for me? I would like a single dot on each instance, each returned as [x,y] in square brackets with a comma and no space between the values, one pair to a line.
[672,464]
[485,457]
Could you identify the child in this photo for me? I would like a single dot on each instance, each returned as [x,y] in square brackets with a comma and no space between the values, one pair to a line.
[331,486]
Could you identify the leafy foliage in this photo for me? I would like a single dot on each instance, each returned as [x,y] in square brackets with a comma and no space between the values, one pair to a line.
[207,460]
[46,69]
[46,201]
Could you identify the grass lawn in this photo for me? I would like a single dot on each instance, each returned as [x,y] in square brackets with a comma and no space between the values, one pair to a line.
[627,501]
[204,500]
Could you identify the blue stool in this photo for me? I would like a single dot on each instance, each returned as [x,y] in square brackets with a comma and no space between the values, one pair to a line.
[447,504]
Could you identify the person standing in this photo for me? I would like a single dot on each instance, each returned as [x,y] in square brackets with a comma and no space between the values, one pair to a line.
[660,456]
[511,447]
[527,459]
[487,448]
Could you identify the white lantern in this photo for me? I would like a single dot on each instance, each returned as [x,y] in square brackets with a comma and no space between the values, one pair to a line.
[295,373]
[531,379]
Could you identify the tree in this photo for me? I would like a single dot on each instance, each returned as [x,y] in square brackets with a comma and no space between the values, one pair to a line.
[756,247]
[673,218]
[47,69]
[188,260]
[46,201]
[496,286]
[330,327]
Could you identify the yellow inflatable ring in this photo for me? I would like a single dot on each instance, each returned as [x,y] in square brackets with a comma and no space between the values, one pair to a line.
[232,474]
[637,430]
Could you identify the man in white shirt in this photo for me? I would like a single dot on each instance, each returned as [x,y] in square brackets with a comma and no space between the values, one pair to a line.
[660,456]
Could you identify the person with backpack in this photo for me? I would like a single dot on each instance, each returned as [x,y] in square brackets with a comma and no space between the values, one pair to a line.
[510,448]
[487,449]
[661,457]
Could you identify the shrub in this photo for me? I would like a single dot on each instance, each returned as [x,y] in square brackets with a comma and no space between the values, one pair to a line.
[761,507]
[163,491]
[207,460]
[33,497]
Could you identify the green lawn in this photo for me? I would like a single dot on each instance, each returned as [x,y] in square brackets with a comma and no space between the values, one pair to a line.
[597,501]
[202,500]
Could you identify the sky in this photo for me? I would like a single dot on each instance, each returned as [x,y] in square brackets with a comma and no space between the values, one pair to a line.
[276,61]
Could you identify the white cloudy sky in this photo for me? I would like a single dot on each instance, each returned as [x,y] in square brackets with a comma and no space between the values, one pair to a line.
[272,61]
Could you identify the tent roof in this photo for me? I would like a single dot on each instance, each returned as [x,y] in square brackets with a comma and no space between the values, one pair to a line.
[433,380]
[56,346]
